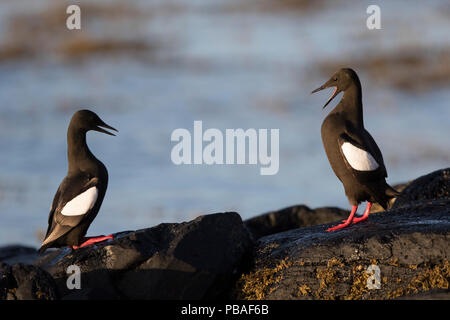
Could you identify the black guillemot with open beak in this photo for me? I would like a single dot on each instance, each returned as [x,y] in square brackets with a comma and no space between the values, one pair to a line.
[352,152]
[80,194]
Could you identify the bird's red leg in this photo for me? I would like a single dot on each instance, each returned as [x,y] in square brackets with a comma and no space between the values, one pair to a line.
[347,222]
[92,240]
[365,215]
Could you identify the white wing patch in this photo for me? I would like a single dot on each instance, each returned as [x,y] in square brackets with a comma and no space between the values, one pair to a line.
[82,203]
[358,158]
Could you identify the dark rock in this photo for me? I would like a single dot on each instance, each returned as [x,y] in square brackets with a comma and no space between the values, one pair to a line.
[294,258]
[190,260]
[12,254]
[292,218]
[435,185]
[25,282]
[409,245]
[434,294]
[14,250]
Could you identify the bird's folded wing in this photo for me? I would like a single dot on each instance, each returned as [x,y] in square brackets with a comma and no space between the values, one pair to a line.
[375,150]
[72,209]
[75,195]
[81,204]
[357,157]
[362,139]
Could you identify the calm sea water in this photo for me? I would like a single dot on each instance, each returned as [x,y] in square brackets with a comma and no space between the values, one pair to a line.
[230,69]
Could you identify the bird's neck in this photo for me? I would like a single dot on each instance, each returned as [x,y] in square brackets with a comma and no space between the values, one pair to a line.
[351,105]
[78,152]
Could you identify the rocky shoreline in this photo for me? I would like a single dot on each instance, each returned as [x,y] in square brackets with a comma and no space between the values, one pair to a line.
[284,254]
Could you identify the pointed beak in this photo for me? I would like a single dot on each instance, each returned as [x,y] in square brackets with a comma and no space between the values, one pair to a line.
[318,89]
[104,125]
[324,86]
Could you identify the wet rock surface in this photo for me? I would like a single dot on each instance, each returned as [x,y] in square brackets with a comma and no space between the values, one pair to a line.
[292,218]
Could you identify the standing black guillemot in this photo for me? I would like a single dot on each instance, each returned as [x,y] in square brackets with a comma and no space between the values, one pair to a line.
[352,152]
[80,194]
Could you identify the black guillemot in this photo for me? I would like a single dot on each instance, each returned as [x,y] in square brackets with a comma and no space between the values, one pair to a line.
[352,152]
[80,195]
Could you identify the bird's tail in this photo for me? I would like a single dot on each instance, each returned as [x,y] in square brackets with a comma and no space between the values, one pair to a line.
[43,248]
[46,243]
[387,198]
[391,192]
[55,237]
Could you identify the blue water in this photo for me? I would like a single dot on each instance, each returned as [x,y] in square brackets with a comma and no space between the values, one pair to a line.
[230,69]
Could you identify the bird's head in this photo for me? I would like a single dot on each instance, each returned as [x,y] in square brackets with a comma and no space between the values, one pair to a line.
[87,120]
[341,80]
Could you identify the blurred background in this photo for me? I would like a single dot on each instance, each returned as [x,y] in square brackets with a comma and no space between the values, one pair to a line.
[149,67]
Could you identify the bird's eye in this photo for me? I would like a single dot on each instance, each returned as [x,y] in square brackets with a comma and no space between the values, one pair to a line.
[335,79]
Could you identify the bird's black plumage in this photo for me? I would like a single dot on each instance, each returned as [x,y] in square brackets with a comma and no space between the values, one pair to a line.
[80,195]
[352,152]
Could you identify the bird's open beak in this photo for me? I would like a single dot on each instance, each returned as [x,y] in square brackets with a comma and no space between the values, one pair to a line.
[324,86]
[104,125]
